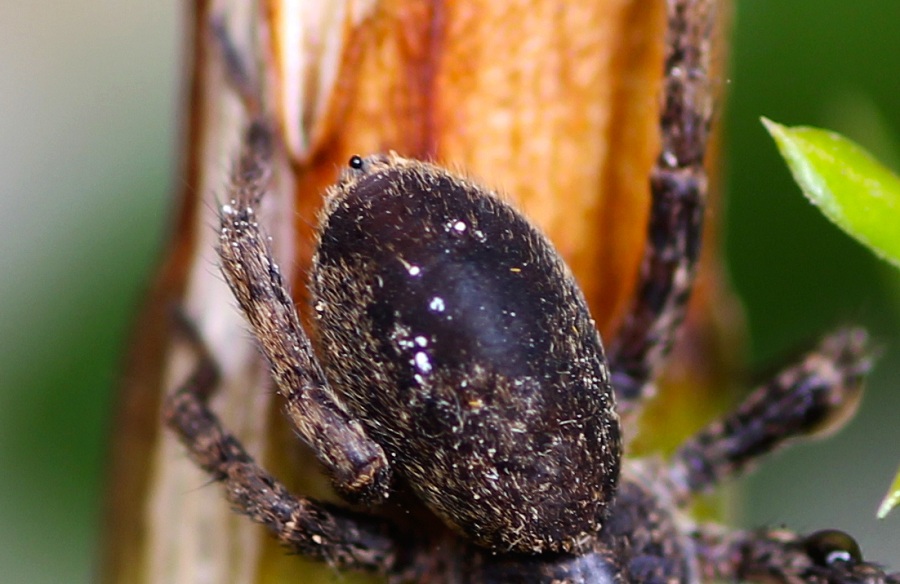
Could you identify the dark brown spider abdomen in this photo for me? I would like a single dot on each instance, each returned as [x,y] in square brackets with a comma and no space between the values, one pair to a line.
[458,336]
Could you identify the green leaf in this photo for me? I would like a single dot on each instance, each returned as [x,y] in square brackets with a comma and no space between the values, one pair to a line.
[891,500]
[852,189]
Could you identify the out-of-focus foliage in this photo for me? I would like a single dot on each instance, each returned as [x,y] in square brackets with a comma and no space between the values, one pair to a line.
[891,500]
[850,187]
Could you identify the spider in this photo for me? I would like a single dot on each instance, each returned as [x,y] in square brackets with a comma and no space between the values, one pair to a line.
[456,365]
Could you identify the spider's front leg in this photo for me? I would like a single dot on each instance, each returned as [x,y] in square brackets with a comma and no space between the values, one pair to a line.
[678,187]
[357,465]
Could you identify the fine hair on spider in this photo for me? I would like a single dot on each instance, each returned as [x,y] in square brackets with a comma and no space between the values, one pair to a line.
[456,366]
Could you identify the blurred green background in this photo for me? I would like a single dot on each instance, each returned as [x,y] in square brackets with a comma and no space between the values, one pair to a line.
[833,64]
[87,119]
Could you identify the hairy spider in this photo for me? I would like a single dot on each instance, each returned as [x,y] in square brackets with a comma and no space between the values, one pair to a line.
[457,365]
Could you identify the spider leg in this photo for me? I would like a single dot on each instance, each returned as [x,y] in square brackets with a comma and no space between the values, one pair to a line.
[815,395]
[678,190]
[311,528]
[237,69]
[357,465]
[824,557]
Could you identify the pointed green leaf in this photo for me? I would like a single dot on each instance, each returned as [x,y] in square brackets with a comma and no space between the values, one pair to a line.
[852,189]
[892,499]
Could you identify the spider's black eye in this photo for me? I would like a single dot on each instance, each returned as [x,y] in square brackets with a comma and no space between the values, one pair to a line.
[830,546]
[356,162]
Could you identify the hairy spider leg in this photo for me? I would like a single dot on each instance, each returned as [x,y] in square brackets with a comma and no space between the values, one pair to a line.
[814,395]
[357,465]
[311,528]
[678,186]
[242,78]
[824,557]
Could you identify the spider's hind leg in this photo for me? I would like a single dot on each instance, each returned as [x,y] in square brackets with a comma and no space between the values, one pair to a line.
[817,394]
[311,528]
[776,555]
[678,190]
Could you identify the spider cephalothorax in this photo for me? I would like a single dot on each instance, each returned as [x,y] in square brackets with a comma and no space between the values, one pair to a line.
[456,365]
